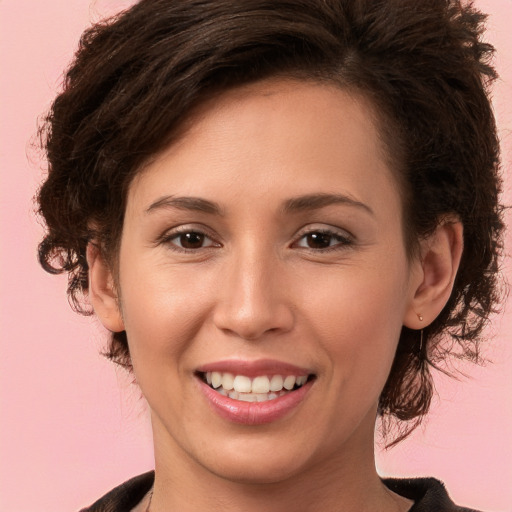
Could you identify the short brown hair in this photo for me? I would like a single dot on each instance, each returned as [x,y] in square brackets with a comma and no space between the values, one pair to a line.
[137,76]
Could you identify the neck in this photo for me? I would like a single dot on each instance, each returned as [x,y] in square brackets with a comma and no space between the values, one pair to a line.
[346,481]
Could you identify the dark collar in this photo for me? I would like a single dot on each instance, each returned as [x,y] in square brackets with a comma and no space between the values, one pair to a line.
[428,494]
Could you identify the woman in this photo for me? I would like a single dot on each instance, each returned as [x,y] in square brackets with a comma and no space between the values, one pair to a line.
[285,213]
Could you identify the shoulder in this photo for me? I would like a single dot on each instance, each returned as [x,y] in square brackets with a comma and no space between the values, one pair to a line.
[428,494]
[125,496]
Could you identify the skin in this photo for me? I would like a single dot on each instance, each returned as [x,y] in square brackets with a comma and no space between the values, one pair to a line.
[257,287]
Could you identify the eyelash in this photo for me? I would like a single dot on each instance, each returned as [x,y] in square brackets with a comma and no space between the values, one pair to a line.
[168,239]
[342,241]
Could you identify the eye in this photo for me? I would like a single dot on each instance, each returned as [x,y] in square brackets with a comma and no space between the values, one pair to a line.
[190,240]
[322,240]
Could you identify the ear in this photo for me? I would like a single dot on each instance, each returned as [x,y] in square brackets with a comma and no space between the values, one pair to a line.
[102,293]
[432,281]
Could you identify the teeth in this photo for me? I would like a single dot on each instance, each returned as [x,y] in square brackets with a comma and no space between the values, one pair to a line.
[259,389]
[260,385]
[216,379]
[255,397]
[289,382]
[242,384]
[276,383]
[227,381]
[247,397]
[302,380]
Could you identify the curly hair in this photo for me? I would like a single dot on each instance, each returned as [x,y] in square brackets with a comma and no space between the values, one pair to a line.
[137,77]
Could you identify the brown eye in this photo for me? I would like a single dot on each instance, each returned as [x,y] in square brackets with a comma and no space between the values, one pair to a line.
[191,240]
[319,240]
[323,240]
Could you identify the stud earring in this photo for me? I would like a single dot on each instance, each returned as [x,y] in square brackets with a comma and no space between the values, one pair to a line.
[420,318]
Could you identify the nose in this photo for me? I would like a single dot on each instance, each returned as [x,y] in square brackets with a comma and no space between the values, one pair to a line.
[252,300]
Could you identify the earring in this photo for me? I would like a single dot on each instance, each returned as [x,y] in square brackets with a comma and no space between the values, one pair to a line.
[420,318]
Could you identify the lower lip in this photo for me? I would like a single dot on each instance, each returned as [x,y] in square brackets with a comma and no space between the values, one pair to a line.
[254,413]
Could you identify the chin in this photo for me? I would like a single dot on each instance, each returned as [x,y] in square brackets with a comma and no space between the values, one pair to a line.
[256,466]
[251,474]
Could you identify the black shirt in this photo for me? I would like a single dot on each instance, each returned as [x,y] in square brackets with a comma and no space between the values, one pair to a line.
[428,494]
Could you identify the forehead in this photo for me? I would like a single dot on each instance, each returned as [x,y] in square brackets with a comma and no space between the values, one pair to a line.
[272,137]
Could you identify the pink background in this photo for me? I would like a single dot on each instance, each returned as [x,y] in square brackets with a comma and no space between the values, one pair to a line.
[71,425]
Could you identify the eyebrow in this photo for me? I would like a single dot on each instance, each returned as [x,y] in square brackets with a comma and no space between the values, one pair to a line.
[293,205]
[321,200]
[186,203]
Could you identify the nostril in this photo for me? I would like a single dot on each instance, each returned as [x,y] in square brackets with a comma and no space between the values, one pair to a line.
[253,317]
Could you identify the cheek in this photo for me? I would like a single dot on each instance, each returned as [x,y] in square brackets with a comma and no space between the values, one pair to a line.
[358,318]
[162,309]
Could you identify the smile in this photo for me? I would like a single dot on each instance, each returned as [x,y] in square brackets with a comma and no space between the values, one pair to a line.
[261,388]
[254,392]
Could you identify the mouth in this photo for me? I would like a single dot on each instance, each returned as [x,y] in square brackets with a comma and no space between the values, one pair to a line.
[260,388]
[254,392]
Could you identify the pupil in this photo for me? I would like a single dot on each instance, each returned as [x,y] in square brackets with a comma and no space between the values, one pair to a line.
[318,240]
[191,240]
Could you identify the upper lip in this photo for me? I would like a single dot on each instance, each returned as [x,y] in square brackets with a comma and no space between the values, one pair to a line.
[254,368]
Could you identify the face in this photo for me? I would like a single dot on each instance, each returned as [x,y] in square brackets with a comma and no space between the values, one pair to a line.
[265,249]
